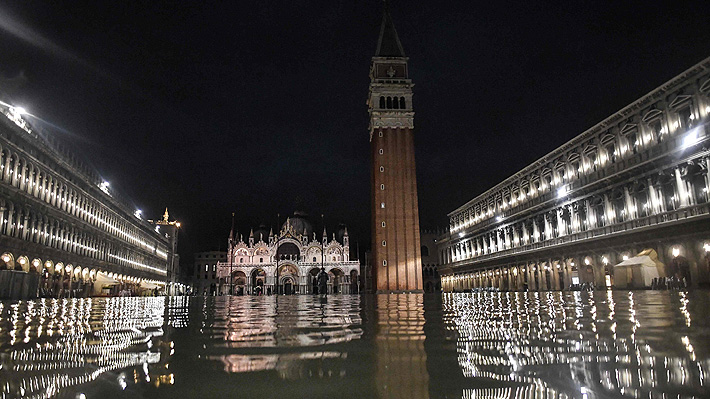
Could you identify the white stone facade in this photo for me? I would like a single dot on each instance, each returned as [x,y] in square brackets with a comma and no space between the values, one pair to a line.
[287,262]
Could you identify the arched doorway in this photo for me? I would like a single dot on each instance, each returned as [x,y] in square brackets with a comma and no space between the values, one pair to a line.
[258,280]
[239,280]
[288,276]
[288,285]
[679,268]
[337,278]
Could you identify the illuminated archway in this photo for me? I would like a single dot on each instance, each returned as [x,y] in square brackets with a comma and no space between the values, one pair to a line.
[7,261]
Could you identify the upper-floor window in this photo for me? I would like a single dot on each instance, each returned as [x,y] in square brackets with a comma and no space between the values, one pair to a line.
[685,117]
[425,250]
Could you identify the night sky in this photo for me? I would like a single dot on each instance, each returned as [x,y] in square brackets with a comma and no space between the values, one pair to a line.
[258,107]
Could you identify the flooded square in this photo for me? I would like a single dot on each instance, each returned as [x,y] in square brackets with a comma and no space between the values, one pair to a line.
[636,344]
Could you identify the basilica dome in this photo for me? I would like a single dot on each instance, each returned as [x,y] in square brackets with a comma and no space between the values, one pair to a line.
[299,221]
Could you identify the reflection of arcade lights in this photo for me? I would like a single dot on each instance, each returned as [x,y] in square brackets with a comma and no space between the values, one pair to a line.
[107,343]
[514,346]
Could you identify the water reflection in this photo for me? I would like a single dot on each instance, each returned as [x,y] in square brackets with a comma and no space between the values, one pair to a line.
[481,345]
[401,360]
[51,344]
[581,344]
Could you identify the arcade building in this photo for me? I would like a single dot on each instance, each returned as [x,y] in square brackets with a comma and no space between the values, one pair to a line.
[622,205]
[288,262]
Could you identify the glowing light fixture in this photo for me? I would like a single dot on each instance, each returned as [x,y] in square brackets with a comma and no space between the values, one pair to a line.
[137,213]
[625,257]
[499,218]
[562,192]
[19,110]
[676,252]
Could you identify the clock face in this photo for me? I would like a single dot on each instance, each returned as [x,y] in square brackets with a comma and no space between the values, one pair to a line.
[391,71]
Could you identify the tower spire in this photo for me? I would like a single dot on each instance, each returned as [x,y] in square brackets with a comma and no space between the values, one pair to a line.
[395,210]
[231,232]
[388,45]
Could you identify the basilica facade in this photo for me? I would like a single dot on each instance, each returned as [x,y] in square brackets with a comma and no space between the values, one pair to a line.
[287,262]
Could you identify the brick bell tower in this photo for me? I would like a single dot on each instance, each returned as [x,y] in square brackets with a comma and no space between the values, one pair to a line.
[396,259]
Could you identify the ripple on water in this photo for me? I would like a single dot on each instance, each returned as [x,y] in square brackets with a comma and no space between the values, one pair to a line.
[479,345]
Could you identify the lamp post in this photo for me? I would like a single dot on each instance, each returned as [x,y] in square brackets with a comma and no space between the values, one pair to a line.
[231,260]
[231,265]
[322,250]
[278,240]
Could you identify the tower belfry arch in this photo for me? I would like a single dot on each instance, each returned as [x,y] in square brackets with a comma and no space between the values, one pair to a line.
[395,207]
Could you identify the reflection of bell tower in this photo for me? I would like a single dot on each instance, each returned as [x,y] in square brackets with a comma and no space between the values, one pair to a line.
[395,208]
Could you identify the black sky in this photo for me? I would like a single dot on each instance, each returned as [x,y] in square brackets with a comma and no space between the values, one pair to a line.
[258,107]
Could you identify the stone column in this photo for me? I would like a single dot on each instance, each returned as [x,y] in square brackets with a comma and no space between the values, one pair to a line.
[681,189]
[609,215]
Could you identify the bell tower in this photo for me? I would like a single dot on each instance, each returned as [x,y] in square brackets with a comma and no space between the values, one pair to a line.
[395,208]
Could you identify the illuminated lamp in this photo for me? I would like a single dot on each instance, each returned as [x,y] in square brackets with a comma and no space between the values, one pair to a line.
[676,252]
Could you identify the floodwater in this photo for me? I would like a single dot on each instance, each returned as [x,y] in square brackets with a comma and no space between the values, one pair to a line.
[639,344]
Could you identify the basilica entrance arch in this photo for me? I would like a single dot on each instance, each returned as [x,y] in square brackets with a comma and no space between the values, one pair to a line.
[288,279]
[239,279]
[258,281]
[337,278]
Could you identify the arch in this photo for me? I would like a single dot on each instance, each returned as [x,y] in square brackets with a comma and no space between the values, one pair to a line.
[288,250]
[22,263]
[402,103]
[382,102]
[239,278]
[389,102]
[59,268]
[288,269]
[35,265]
[7,261]
[258,281]
[336,279]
